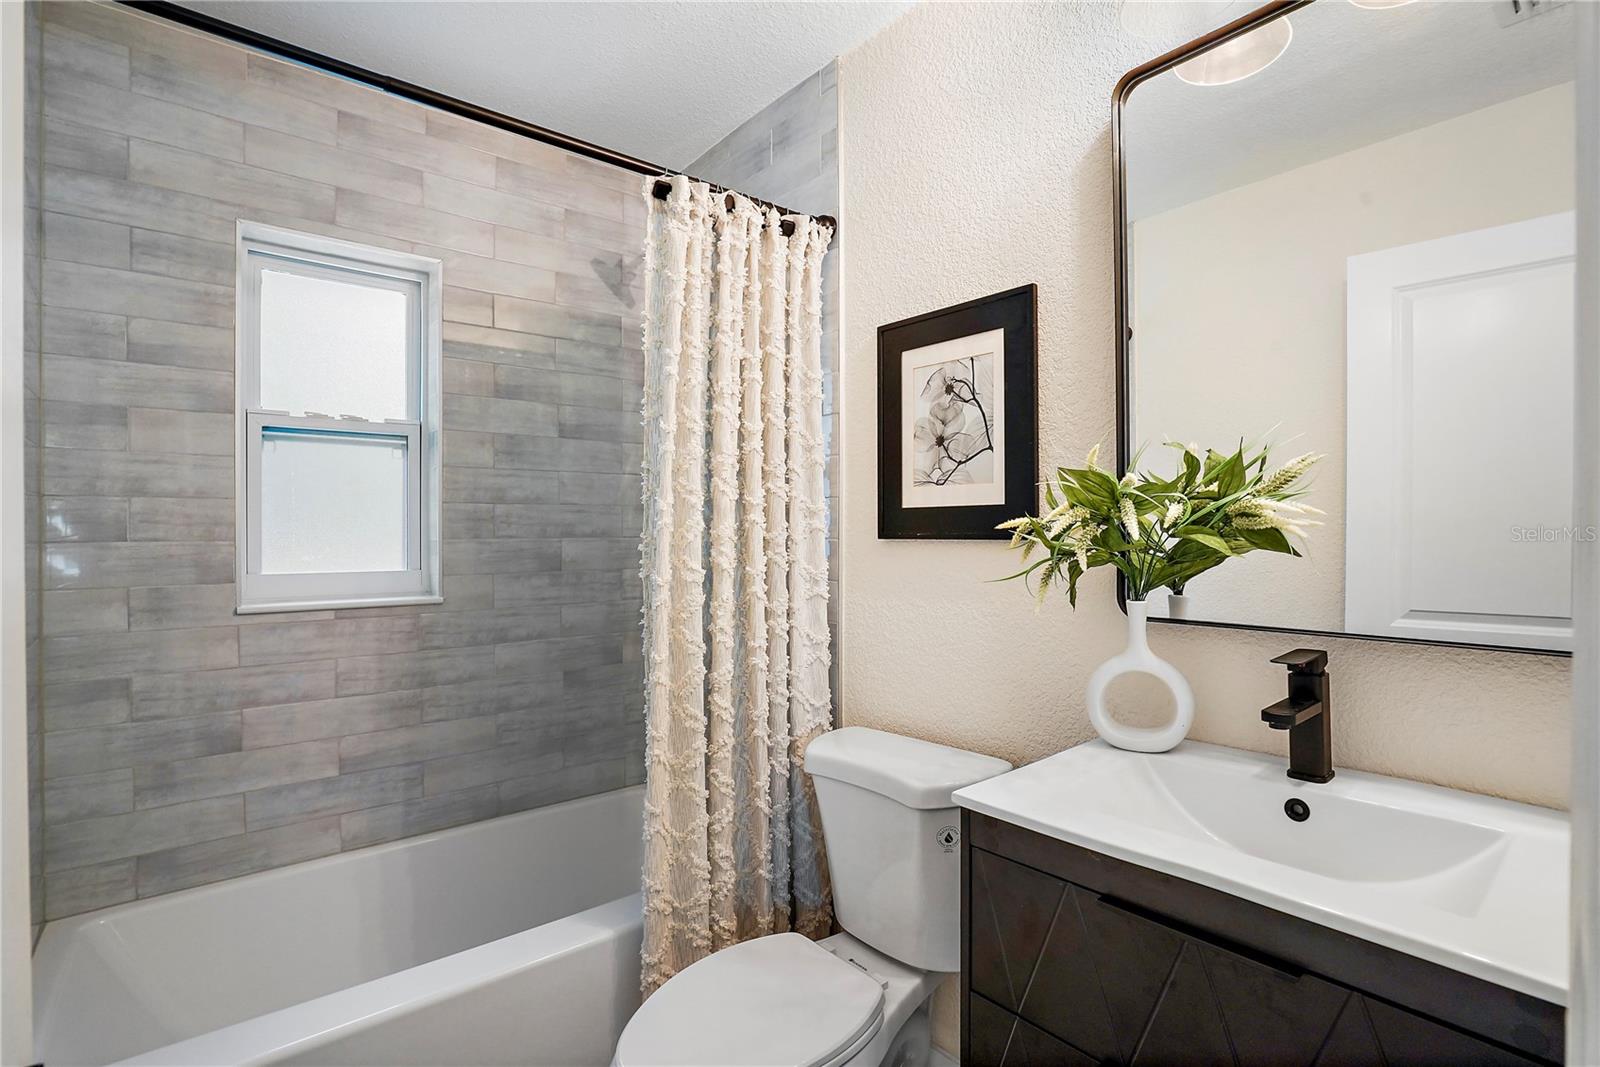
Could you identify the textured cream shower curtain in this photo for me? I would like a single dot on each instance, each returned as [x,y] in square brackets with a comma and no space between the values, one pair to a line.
[735,577]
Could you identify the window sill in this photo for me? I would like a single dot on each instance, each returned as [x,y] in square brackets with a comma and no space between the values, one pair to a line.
[277,606]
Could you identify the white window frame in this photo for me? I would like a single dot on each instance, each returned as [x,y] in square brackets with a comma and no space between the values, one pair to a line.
[421,279]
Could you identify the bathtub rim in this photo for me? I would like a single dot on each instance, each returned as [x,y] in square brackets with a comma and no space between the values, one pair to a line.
[350,1011]
[53,949]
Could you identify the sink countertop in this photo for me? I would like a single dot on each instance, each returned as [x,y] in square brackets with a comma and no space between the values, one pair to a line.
[1473,883]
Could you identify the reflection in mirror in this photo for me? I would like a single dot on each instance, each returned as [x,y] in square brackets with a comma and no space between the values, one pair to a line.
[1364,249]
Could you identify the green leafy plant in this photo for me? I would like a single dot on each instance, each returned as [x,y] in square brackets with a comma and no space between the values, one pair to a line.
[1162,532]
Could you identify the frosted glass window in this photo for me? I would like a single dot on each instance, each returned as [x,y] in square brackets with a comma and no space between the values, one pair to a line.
[336,347]
[332,503]
[339,382]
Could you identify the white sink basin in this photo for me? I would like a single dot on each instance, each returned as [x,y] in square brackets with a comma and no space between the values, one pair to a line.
[1471,882]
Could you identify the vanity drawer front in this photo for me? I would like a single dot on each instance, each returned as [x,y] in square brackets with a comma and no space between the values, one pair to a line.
[1130,989]
[1459,1004]
[1125,986]
[1001,1039]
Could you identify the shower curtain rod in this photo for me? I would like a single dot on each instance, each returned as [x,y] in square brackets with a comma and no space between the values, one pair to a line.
[184,16]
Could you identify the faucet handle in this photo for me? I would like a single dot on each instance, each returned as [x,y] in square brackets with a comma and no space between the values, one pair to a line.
[1303,660]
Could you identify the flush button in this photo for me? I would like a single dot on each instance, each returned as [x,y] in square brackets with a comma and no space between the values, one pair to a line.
[1297,809]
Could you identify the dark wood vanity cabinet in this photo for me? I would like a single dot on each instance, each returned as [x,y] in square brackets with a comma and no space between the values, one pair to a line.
[1070,958]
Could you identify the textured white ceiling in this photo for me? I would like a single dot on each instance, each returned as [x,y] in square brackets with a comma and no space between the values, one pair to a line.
[1351,76]
[661,80]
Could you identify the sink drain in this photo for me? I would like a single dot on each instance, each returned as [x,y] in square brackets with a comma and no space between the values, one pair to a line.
[1297,809]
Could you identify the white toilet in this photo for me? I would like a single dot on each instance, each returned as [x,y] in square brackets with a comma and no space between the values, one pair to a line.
[858,998]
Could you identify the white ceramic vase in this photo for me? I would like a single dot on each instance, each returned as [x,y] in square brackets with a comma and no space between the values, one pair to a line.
[1177,606]
[1138,659]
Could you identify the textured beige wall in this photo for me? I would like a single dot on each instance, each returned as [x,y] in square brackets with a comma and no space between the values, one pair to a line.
[976,157]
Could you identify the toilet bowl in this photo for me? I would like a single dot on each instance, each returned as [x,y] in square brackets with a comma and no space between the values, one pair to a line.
[857,998]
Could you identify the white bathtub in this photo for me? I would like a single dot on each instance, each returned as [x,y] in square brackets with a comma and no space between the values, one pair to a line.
[511,941]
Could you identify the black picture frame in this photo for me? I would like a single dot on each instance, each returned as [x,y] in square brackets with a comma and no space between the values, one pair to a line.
[1016,312]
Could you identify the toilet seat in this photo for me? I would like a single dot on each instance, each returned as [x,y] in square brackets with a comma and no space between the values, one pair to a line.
[777,1001]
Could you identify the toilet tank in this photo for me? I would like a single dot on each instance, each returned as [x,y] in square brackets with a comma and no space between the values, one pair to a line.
[894,838]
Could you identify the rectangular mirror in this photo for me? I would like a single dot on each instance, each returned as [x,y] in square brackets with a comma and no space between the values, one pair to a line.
[1346,228]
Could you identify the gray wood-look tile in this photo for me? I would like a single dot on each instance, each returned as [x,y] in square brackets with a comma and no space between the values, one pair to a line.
[178,606]
[88,888]
[432,155]
[487,275]
[563,587]
[489,205]
[524,452]
[75,55]
[375,825]
[501,555]
[85,611]
[553,320]
[179,344]
[235,183]
[492,139]
[285,804]
[86,287]
[467,306]
[555,520]
[451,773]
[182,257]
[171,869]
[118,655]
[68,332]
[413,670]
[597,424]
[136,115]
[136,832]
[558,187]
[552,787]
[158,784]
[468,448]
[133,744]
[287,642]
[165,696]
[286,724]
[188,432]
[493,626]
[73,565]
[468,377]
[616,617]
[497,415]
[230,94]
[88,796]
[487,696]
[83,148]
[273,151]
[184,519]
[357,99]
[113,199]
[423,225]
[80,240]
[91,426]
[103,381]
[494,485]
[516,690]
[411,744]
[74,705]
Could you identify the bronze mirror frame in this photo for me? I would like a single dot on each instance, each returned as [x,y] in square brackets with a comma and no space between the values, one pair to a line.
[1124,330]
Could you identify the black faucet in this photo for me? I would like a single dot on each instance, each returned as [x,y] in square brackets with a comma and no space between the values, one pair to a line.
[1306,714]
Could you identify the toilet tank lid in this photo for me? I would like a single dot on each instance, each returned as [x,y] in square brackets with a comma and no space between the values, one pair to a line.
[918,774]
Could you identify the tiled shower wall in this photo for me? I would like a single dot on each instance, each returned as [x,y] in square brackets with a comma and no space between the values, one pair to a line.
[183,744]
[788,153]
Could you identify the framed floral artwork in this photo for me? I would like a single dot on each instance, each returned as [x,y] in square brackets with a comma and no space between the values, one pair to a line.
[958,420]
